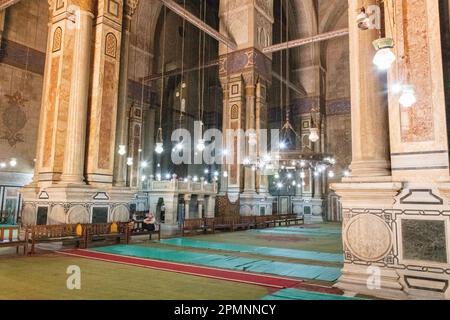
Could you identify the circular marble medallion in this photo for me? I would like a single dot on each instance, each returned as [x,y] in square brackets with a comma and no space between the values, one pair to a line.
[368,237]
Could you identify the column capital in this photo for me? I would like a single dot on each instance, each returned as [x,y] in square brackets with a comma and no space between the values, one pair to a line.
[130,7]
[83,5]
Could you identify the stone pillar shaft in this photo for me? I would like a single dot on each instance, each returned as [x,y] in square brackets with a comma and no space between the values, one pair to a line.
[61,142]
[74,155]
[104,94]
[370,134]
[120,169]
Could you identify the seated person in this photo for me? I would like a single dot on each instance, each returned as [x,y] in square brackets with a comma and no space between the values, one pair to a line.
[149,222]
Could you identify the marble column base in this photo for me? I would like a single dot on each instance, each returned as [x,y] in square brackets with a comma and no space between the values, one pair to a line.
[398,233]
[75,203]
[255,204]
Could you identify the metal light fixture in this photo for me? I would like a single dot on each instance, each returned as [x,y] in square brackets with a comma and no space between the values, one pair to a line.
[362,19]
[384,58]
[129,161]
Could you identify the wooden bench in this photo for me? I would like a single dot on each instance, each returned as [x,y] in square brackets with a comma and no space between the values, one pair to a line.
[7,238]
[224,223]
[107,231]
[137,229]
[296,220]
[193,225]
[56,233]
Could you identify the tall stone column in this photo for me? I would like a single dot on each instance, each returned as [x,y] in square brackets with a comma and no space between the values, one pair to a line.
[80,64]
[148,141]
[391,224]
[104,93]
[261,123]
[187,202]
[250,127]
[225,165]
[61,144]
[120,167]
[201,205]
[370,134]
[2,23]
[250,25]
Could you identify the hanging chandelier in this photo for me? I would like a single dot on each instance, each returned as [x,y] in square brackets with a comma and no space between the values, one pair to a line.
[384,58]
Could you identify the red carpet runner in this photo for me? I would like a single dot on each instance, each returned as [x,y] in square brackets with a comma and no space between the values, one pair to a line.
[236,276]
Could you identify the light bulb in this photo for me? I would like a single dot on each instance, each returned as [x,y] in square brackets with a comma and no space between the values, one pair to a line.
[331,174]
[216,173]
[294,183]
[129,162]
[2,165]
[168,176]
[158,177]
[195,179]
[384,58]
[206,171]
[279,185]
[267,158]
[314,135]
[246,161]
[159,148]
[122,149]
[143,178]
[225,174]
[346,173]
[201,145]
[282,145]
[316,174]
[277,176]
[225,152]
[289,175]
[13,162]
[144,164]
[302,175]
[408,97]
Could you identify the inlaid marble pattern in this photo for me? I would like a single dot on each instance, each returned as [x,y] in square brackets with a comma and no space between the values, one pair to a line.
[424,240]
[417,122]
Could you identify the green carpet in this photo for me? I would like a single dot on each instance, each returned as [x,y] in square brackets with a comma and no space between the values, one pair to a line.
[45,277]
[267,251]
[296,294]
[296,270]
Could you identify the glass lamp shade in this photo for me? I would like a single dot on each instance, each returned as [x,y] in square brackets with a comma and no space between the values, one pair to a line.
[129,162]
[252,140]
[408,97]
[122,149]
[384,58]
[159,148]
[13,162]
[314,135]
[201,145]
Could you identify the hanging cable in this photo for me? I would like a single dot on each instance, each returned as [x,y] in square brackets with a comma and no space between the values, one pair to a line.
[183,84]
[159,145]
